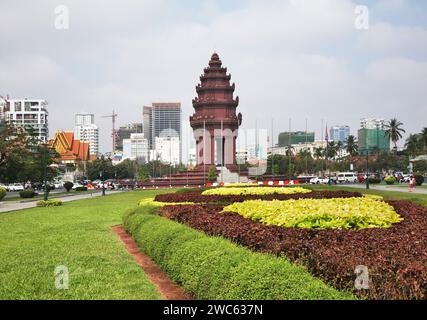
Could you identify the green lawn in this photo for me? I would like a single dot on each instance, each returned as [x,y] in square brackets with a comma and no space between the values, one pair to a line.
[388,195]
[78,235]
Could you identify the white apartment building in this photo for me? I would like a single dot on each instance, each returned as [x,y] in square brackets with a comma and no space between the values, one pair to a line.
[372,123]
[88,133]
[29,114]
[136,147]
[86,130]
[84,118]
[167,150]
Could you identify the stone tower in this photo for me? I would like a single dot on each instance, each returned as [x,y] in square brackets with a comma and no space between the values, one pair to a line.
[215,122]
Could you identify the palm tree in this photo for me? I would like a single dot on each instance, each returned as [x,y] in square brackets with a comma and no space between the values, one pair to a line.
[318,152]
[413,144]
[351,145]
[394,131]
[332,150]
[424,138]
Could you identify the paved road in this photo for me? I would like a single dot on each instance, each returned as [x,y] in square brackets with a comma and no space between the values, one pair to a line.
[14,194]
[385,188]
[16,205]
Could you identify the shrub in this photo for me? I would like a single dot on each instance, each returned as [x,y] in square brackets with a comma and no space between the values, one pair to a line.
[214,268]
[419,179]
[390,180]
[2,193]
[350,213]
[27,193]
[392,254]
[49,203]
[212,174]
[374,180]
[81,189]
[68,186]
[197,197]
[255,190]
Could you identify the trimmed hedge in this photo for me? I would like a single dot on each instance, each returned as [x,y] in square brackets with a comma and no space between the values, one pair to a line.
[214,268]
[419,179]
[2,193]
[27,194]
[390,180]
[49,203]
[81,189]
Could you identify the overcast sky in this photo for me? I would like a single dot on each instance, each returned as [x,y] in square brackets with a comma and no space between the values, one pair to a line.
[289,59]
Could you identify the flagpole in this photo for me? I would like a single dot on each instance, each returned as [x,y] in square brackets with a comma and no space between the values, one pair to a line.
[204,152]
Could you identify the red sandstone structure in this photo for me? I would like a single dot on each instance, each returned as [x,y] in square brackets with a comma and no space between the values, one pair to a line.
[215,123]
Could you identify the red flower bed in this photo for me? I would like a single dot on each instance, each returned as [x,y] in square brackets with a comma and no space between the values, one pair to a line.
[197,197]
[396,257]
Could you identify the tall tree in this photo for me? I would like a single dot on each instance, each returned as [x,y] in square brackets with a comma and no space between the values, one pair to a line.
[351,145]
[424,138]
[332,150]
[413,145]
[319,152]
[394,131]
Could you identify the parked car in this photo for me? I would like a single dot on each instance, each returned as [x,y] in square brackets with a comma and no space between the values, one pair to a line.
[318,180]
[347,177]
[15,187]
[58,184]
[77,185]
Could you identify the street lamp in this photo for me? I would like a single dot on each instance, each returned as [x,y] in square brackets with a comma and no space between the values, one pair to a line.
[45,152]
[102,175]
[367,168]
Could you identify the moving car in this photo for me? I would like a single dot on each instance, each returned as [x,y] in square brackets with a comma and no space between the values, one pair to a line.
[317,180]
[347,177]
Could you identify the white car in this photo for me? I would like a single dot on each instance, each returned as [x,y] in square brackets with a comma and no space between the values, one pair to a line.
[317,180]
[347,177]
[15,187]
[58,184]
[77,185]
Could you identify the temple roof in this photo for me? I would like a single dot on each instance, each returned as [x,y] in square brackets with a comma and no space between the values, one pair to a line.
[69,148]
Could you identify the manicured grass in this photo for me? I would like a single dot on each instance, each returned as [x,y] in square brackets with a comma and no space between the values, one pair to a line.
[78,235]
[215,268]
[388,195]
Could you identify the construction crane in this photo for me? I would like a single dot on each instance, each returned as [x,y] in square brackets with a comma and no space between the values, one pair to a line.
[113,117]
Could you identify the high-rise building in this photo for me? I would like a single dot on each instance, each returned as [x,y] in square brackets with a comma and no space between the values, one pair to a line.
[297,137]
[136,147]
[339,133]
[168,150]
[147,123]
[30,114]
[372,135]
[86,130]
[371,123]
[124,132]
[84,118]
[163,120]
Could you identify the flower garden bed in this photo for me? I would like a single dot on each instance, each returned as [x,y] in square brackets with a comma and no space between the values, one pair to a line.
[396,257]
[215,268]
[198,197]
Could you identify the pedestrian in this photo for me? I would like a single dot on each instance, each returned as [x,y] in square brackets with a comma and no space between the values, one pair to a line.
[412,183]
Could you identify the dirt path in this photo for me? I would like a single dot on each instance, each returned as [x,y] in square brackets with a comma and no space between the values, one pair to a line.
[167,288]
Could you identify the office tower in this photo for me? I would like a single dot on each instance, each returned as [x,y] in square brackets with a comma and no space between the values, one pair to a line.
[125,132]
[339,133]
